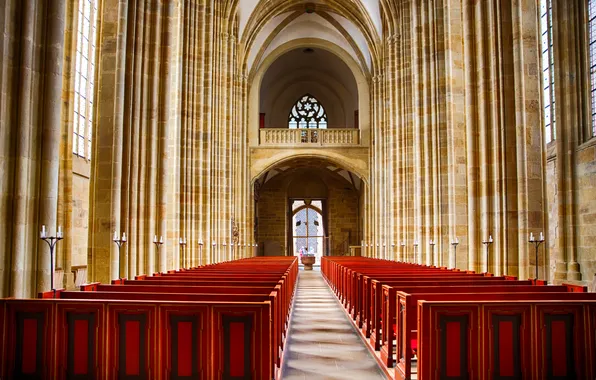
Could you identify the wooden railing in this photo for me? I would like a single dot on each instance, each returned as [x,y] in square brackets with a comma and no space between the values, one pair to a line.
[310,137]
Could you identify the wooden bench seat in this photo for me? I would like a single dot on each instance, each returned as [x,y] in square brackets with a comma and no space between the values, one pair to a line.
[211,324]
[515,339]
[385,299]
[404,330]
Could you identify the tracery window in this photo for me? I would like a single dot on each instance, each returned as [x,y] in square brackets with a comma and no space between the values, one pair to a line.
[548,65]
[307,113]
[592,50]
[84,78]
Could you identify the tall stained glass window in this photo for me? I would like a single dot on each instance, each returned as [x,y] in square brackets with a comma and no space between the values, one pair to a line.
[548,64]
[592,51]
[307,113]
[84,78]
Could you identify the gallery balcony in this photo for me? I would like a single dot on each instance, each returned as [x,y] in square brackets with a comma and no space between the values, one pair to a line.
[311,138]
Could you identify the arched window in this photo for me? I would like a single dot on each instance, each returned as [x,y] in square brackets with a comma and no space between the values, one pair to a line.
[592,50]
[308,230]
[548,66]
[84,78]
[307,113]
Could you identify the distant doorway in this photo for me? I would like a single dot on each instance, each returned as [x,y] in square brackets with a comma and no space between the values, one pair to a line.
[308,229]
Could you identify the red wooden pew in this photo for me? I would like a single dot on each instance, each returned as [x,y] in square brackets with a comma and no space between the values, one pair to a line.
[155,327]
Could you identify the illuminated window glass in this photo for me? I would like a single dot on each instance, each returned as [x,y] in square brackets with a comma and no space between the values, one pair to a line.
[548,64]
[592,49]
[307,113]
[84,78]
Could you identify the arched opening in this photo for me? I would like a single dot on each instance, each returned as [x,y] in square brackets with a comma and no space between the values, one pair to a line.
[308,205]
[329,73]
[308,226]
[298,82]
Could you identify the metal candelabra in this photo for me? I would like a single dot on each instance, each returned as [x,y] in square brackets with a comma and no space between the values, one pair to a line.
[403,253]
[455,243]
[432,250]
[158,244]
[487,244]
[120,241]
[536,243]
[51,241]
[415,246]
[200,251]
[182,242]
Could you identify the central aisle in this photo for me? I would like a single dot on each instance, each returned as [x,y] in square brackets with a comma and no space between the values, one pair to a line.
[322,343]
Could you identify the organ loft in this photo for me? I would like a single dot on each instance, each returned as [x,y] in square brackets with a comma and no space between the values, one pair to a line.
[298,189]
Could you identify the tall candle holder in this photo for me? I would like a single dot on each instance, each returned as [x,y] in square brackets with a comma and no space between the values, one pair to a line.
[404,254]
[455,243]
[182,243]
[487,244]
[536,243]
[51,241]
[212,255]
[120,241]
[200,252]
[432,250]
[158,244]
[415,244]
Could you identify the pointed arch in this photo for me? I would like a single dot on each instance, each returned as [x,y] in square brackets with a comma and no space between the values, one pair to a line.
[307,113]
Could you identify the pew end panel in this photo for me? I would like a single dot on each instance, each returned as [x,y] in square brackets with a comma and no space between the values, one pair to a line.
[562,342]
[131,340]
[184,341]
[91,287]
[447,339]
[81,336]
[576,288]
[29,343]
[239,350]
[507,336]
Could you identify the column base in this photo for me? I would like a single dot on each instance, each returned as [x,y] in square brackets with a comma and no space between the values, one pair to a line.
[573,272]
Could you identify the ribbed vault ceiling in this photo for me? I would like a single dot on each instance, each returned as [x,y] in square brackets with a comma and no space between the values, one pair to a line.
[352,25]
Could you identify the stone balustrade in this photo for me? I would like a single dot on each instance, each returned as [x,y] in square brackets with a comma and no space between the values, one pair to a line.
[309,137]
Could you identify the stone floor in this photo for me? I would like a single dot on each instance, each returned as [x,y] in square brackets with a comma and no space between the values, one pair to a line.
[322,343]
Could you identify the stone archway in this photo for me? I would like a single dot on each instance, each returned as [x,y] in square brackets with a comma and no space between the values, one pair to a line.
[339,191]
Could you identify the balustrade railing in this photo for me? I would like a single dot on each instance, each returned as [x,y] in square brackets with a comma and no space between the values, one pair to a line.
[311,137]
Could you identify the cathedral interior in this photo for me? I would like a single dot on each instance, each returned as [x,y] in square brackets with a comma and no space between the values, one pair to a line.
[445,133]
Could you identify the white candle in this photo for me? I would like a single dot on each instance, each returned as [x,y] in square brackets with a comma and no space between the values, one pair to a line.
[213,243]
[180,240]
[431,242]
[115,236]
[541,237]
[161,239]
[531,236]
[59,234]
[43,232]
[155,239]
[415,242]
[490,238]
[124,236]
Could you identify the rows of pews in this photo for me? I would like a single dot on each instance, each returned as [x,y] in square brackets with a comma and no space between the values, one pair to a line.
[438,323]
[221,321]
